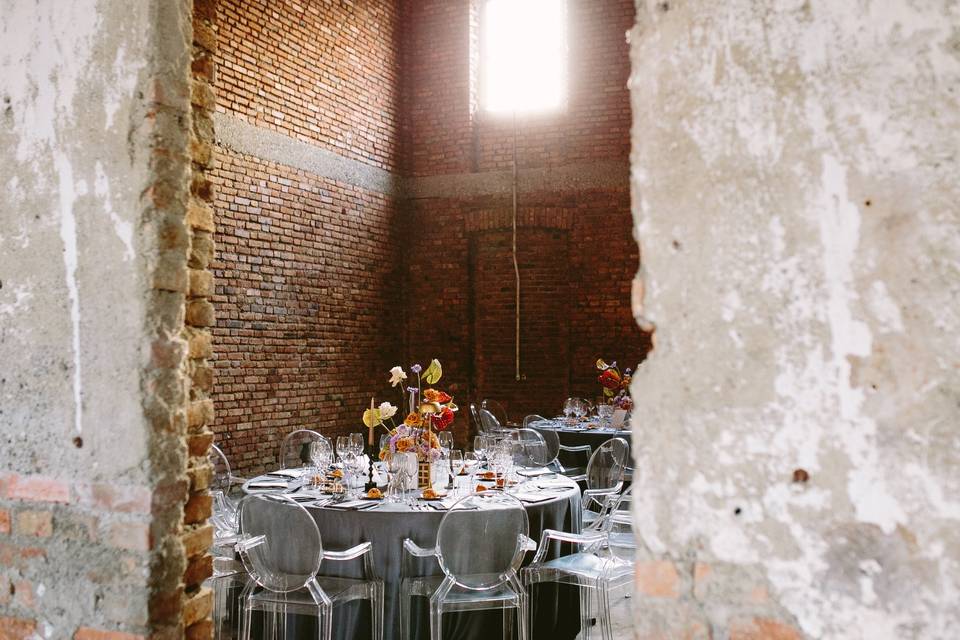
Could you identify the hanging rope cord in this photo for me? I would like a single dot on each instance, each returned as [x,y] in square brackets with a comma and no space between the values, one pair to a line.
[516,266]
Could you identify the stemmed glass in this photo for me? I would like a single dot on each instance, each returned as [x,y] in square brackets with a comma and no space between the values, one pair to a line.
[570,408]
[446,441]
[471,461]
[398,478]
[456,465]
[349,470]
[320,455]
[343,446]
[480,447]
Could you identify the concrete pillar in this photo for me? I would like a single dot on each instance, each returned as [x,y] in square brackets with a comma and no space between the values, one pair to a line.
[795,194]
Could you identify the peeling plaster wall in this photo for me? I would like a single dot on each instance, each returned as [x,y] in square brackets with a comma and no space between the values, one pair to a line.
[87,106]
[795,193]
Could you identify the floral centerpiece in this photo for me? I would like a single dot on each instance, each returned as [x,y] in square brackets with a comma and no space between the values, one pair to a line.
[429,411]
[615,385]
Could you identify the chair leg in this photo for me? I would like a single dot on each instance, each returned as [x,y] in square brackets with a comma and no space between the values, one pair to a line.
[436,622]
[508,623]
[326,622]
[376,611]
[606,622]
[586,617]
[405,599]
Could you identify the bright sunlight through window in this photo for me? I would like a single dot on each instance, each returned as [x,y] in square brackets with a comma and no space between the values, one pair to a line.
[524,52]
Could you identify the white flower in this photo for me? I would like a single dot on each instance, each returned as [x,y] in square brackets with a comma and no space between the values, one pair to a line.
[387,410]
[397,376]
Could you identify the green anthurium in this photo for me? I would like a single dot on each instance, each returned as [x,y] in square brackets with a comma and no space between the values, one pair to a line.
[434,372]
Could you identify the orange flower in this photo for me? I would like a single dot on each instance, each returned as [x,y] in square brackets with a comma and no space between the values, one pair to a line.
[412,419]
[405,444]
[432,395]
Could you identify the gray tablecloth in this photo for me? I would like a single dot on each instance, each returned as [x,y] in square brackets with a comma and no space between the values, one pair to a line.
[571,437]
[557,610]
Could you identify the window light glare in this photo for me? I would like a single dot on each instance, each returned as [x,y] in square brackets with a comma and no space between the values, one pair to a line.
[524,47]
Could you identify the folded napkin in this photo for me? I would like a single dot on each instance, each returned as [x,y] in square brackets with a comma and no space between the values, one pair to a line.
[555,483]
[533,473]
[267,484]
[532,498]
[353,505]
[288,473]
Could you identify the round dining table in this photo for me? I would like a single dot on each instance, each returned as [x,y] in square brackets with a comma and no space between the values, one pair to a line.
[588,431]
[552,503]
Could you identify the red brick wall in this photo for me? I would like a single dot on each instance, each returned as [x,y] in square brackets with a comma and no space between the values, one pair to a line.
[308,286]
[307,304]
[325,72]
[577,256]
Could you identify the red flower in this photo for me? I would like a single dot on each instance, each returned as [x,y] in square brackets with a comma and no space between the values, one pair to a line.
[610,379]
[443,419]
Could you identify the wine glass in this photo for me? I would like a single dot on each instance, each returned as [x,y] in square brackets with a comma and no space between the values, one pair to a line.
[480,447]
[320,455]
[343,446]
[456,465]
[446,440]
[356,443]
[349,473]
[569,408]
[471,462]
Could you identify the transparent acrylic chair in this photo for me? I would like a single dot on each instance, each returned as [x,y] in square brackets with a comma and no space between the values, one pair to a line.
[480,545]
[604,479]
[281,549]
[491,425]
[498,410]
[295,450]
[533,450]
[595,568]
[575,458]
[229,577]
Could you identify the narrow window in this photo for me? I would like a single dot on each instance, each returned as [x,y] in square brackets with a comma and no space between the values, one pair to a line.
[524,51]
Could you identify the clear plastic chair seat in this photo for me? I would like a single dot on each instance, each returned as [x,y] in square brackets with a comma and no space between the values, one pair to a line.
[583,566]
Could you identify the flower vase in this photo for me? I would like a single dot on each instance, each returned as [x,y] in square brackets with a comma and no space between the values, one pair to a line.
[423,474]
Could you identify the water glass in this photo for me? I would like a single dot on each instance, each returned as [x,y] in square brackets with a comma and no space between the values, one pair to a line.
[446,440]
[471,462]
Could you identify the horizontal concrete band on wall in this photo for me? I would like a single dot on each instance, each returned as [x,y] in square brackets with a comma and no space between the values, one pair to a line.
[273,146]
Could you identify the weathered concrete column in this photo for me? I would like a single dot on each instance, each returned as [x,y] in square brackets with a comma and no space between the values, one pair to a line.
[94,182]
[796,190]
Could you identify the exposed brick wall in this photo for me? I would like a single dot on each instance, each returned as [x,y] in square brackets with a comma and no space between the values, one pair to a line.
[325,72]
[445,134]
[576,251]
[197,534]
[308,287]
[308,304]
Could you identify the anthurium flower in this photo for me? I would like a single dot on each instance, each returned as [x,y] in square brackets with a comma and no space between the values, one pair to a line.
[397,376]
[437,396]
[434,372]
[601,365]
[387,411]
[372,417]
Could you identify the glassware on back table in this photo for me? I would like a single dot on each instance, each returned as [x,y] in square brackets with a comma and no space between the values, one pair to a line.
[480,447]
[569,408]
